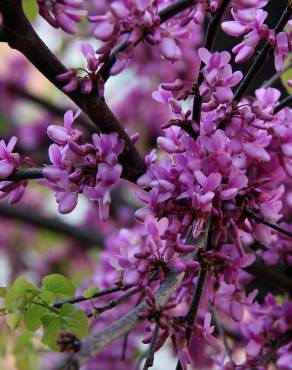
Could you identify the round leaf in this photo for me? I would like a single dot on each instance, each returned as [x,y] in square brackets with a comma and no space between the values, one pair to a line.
[32,317]
[59,285]
[74,320]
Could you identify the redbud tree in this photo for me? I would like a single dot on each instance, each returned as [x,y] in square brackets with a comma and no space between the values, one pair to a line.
[179,147]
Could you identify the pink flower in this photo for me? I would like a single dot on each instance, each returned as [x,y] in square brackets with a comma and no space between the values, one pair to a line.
[62,13]
[281,50]
[8,160]
[218,76]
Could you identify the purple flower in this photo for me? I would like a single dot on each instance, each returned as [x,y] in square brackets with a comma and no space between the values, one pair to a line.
[218,76]
[8,160]
[62,135]
[62,13]
[90,168]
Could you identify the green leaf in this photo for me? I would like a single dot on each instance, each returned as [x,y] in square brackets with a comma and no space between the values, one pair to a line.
[46,296]
[52,327]
[13,320]
[74,320]
[30,9]
[91,291]
[19,294]
[32,316]
[59,285]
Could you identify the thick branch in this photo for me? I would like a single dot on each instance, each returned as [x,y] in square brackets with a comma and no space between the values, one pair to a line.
[85,236]
[93,345]
[21,36]
[165,14]
[262,57]
[25,174]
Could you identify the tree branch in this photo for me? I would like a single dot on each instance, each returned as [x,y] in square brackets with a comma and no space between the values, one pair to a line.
[25,174]
[262,57]
[21,36]
[221,331]
[192,313]
[283,104]
[165,14]
[284,339]
[150,355]
[87,237]
[209,44]
[258,218]
[93,345]
[115,302]
[276,76]
[98,294]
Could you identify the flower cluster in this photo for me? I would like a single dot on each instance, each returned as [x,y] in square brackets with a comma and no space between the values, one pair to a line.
[134,21]
[62,13]
[268,323]
[146,252]
[9,161]
[249,21]
[215,175]
[90,168]
[89,78]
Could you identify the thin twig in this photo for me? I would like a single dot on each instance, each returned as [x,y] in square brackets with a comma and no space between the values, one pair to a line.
[214,25]
[262,57]
[284,339]
[150,355]
[191,315]
[98,294]
[114,303]
[276,76]
[125,346]
[209,44]
[165,14]
[287,102]
[221,331]
[88,237]
[260,219]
